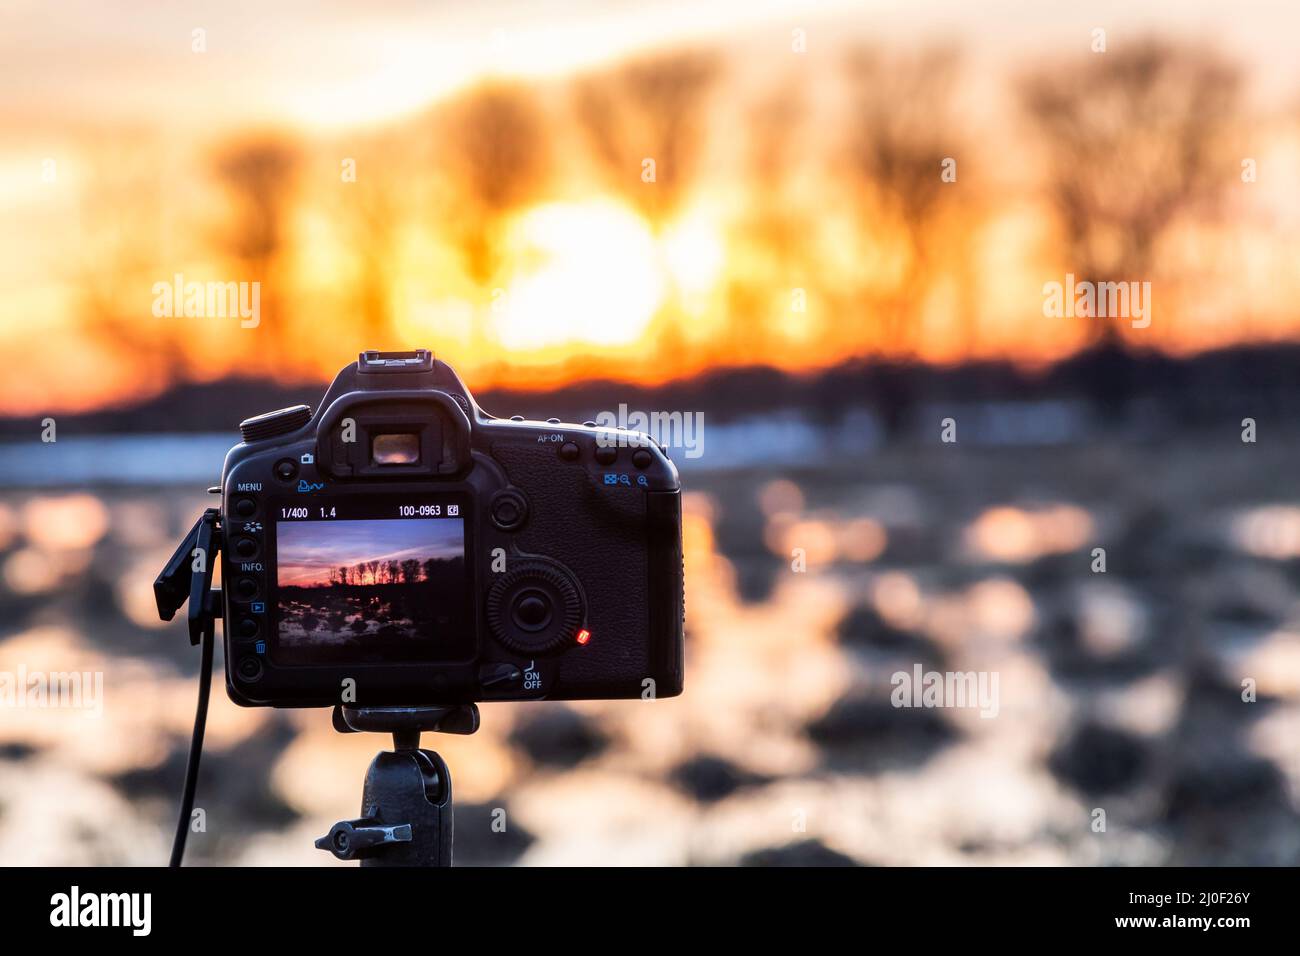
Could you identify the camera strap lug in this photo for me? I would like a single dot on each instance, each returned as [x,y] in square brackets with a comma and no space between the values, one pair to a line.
[187,576]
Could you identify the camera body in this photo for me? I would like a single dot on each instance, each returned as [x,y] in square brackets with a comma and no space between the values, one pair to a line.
[402,547]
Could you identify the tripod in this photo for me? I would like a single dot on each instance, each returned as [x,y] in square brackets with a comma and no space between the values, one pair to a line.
[406,808]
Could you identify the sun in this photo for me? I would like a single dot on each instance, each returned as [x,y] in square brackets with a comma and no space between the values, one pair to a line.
[591,274]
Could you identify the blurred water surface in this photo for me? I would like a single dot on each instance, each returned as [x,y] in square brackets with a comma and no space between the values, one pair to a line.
[1118,691]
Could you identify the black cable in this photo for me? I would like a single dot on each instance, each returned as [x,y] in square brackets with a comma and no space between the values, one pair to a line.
[196,749]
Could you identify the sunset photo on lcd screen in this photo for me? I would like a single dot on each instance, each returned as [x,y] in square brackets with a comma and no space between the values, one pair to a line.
[380,586]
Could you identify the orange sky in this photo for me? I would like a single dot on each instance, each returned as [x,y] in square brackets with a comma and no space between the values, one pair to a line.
[592,286]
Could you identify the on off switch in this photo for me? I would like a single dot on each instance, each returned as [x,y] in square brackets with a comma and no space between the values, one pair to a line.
[502,677]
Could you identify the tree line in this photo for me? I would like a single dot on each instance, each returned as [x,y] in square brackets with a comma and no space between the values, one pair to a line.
[409,571]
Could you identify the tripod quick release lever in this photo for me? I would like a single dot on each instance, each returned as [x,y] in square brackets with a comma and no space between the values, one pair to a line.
[347,839]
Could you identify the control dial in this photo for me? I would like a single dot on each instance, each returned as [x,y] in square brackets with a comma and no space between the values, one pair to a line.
[535,607]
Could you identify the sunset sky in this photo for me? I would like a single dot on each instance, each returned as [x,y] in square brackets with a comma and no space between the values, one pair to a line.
[118,126]
[307,551]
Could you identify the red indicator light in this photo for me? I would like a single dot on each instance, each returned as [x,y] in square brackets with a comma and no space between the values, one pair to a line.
[583,636]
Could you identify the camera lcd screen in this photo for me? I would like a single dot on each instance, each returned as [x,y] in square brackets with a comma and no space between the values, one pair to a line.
[382,589]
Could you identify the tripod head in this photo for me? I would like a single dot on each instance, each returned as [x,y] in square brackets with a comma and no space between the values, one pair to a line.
[406,805]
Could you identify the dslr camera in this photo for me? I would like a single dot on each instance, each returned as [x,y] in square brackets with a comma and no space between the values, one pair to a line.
[401,545]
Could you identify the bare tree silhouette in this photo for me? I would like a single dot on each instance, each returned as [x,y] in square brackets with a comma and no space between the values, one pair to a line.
[769,238]
[410,570]
[121,254]
[902,129]
[648,109]
[493,143]
[260,174]
[374,214]
[1131,141]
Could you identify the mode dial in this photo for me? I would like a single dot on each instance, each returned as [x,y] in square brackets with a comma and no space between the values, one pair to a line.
[279,422]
